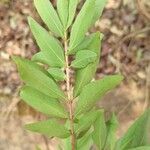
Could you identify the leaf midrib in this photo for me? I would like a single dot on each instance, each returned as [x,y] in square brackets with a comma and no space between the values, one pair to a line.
[42,83]
[48,13]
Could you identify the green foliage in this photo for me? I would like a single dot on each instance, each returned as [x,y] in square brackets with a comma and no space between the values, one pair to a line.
[112,126]
[85,122]
[50,47]
[100,131]
[137,135]
[85,142]
[74,115]
[83,58]
[93,91]
[72,9]
[49,16]
[36,77]
[41,58]
[141,148]
[42,102]
[81,24]
[84,76]
[57,74]
[49,128]
[62,8]
[99,6]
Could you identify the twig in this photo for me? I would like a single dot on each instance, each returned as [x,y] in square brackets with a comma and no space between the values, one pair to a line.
[70,100]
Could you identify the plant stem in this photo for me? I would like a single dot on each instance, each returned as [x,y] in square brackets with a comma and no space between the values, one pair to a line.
[70,100]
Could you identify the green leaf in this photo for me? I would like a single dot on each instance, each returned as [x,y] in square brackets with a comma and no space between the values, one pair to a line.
[100,131]
[42,102]
[35,76]
[57,74]
[141,148]
[63,10]
[112,126]
[50,47]
[85,75]
[86,121]
[83,58]
[92,92]
[50,128]
[41,58]
[66,144]
[85,142]
[137,135]
[99,7]
[72,10]
[49,16]
[81,24]
[87,42]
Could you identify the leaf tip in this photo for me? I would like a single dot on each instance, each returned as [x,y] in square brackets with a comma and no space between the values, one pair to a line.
[16,59]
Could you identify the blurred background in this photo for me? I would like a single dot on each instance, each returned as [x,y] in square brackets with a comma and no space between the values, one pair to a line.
[126,49]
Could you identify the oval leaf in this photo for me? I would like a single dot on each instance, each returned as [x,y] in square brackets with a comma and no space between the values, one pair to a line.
[86,43]
[92,92]
[99,7]
[112,126]
[57,74]
[85,143]
[50,128]
[137,135]
[72,10]
[81,24]
[42,102]
[84,76]
[36,77]
[83,58]
[63,11]
[49,16]
[41,58]
[100,131]
[86,121]
[50,47]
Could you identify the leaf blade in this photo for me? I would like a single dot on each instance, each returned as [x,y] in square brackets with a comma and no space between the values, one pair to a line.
[42,102]
[86,121]
[57,74]
[100,131]
[49,16]
[48,128]
[141,148]
[40,57]
[99,7]
[80,27]
[83,58]
[72,9]
[137,135]
[49,46]
[63,11]
[97,90]
[112,126]
[38,78]
[85,142]
[84,76]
